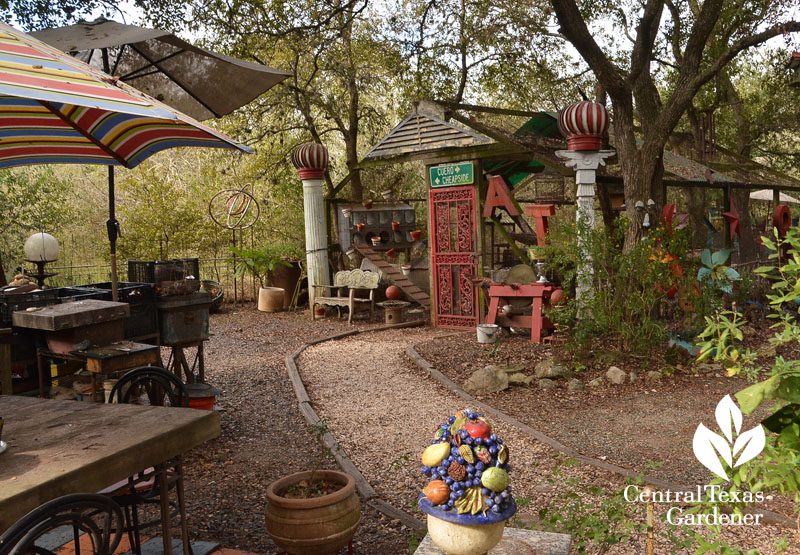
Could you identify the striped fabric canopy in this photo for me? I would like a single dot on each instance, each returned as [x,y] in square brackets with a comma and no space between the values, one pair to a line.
[55,109]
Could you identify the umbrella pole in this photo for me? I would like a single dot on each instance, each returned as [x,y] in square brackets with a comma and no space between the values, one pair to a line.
[112,226]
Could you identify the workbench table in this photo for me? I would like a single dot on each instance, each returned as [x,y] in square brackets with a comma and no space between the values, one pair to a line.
[60,447]
[119,356]
[500,294]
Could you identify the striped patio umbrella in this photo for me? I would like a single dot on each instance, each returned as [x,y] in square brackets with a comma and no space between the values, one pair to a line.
[57,110]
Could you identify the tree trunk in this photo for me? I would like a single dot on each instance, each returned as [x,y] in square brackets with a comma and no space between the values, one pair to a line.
[695,196]
[748,247]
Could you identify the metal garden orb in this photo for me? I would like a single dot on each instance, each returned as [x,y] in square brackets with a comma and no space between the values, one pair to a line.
[41,247]
[584,124]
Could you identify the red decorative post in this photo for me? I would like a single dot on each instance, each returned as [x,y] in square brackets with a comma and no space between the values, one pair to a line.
[584,125]
[311,161]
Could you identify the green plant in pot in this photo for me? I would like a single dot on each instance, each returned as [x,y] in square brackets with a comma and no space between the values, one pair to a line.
[315,512]
[258,263]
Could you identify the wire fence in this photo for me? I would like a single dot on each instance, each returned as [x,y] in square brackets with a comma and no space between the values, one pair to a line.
[221,270]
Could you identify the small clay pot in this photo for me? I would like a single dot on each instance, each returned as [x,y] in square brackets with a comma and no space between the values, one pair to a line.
[395,226]
[406,269]
[416,235]
[391,253]
[376,241]
[346,212]
[360,227]
[367,203]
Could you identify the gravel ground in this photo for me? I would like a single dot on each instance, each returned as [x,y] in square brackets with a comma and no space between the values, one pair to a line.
[383,410]
[263,435]
[641,423]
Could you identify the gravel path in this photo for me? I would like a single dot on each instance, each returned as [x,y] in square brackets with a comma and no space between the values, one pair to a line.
[263,434]
[383,410]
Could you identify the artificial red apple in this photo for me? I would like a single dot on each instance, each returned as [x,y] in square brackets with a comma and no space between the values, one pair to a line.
[478,428]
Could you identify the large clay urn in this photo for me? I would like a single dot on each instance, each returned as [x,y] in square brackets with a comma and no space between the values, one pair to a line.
[584,125]
[316,525]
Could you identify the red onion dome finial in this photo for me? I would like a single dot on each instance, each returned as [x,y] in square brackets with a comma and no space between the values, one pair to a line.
[311,160]
[584,124]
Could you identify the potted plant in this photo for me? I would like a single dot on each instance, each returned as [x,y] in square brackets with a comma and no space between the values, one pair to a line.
[259,263]
[315,512]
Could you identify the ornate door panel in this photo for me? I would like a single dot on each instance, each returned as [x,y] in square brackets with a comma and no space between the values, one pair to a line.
[454,246]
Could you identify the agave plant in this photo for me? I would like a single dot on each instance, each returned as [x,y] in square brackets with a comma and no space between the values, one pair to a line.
[716,272]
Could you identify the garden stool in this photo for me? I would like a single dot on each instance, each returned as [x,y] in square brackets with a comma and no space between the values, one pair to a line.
[394,310]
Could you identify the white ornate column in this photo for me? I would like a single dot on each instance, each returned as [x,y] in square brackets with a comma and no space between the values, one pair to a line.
[311,160]
[584,124]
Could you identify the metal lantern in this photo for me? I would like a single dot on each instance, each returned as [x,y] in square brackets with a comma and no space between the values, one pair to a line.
[584,124]
[311,160]
[41,247]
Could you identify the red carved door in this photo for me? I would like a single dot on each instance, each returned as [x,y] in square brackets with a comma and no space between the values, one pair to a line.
[454,246]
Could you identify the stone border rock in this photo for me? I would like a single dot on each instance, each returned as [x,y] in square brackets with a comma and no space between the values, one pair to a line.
[304,404]
[770,517]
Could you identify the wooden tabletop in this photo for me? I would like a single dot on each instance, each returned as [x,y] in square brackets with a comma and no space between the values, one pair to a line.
[61,447]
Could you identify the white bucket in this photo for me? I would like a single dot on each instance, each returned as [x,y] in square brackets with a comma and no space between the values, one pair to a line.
[487,332]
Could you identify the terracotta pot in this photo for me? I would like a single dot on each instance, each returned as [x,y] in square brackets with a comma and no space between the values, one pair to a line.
[315,526]
[367,204]
[360,227]
[319,311]
[286,277]
[376,241]
[391,253]
[270,299]
[416,235]
[395,226]
[406,269]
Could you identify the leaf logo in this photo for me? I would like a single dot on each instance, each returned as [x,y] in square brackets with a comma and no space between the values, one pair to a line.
[709,446]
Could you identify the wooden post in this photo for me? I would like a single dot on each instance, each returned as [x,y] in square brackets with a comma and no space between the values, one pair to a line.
[726,202]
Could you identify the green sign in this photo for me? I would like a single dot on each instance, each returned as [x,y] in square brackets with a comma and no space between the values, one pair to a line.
[452,175]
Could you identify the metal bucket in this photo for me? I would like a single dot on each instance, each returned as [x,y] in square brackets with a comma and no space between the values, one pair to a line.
[487,332]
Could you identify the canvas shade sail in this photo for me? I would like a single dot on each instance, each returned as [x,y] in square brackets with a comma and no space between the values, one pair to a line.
[196,81]
[766,195]
[56,109]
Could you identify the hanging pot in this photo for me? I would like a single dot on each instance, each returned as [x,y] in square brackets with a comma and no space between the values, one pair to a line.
[360,227]
[416,235]
[367,203]
[395,226]
[376,241]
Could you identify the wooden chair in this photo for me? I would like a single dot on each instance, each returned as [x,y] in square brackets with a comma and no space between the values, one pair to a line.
[157,387]
[353,281]
[94,520]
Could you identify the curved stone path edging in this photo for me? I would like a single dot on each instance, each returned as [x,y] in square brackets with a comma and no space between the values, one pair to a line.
[769,517]
[364,488]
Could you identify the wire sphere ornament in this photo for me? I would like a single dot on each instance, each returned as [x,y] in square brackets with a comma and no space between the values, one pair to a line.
[234,208]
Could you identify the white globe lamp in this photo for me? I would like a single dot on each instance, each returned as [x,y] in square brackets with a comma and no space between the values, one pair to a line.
[41,247]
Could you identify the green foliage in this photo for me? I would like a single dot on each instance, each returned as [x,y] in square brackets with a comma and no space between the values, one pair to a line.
[777,469]
[33,201]
[595,517]
[628,286]
[258,263]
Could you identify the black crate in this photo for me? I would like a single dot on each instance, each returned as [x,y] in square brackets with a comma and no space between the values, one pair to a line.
[143,320]
[12,302]
[127,292]
[141,271]
[188,267]
[69,294]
